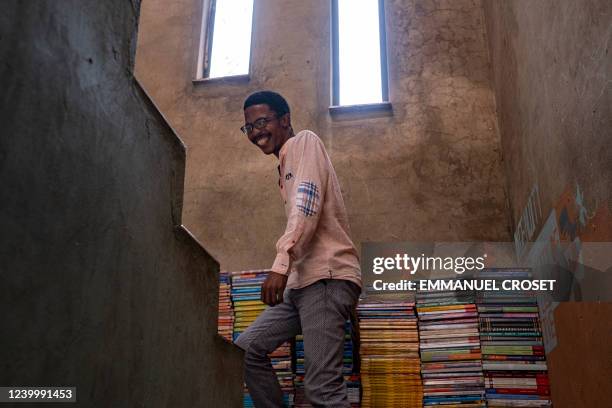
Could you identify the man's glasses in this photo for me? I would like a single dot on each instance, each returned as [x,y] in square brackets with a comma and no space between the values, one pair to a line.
[258,124]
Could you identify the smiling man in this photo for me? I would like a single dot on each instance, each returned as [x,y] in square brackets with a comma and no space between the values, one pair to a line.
[315,280]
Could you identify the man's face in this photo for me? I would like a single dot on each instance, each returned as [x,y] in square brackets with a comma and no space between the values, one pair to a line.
[270,138]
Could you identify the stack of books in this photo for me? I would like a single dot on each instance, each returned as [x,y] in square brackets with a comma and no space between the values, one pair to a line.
[513,355]
[281,362]
[247,305]
[225,322]
[348,370]
[246,298]
[390,366]
[353,383]
[450,349]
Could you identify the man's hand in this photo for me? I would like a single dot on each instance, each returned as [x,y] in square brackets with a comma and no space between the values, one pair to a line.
[273,288]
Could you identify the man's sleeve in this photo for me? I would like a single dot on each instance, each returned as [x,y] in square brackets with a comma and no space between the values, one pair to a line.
[308,161]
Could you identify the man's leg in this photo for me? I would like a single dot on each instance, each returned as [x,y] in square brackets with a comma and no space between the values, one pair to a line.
[324,308]
[271,329]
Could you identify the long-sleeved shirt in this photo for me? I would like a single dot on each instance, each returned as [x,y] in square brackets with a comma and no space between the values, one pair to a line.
[316,243]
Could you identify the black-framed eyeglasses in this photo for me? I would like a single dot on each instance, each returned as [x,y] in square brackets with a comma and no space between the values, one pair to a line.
[258,124]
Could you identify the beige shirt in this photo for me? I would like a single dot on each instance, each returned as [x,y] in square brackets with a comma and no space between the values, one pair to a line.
[316,243]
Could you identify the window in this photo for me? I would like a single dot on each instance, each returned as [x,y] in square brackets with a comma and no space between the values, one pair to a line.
[225,41]
[359,57]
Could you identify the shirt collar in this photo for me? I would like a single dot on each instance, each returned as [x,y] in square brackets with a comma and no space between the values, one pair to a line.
[283,150]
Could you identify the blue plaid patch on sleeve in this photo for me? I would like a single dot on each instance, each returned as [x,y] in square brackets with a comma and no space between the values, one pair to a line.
[307,199]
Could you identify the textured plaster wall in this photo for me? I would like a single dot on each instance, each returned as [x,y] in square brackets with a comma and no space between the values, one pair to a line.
[429,171]
[100,287]
[551,68]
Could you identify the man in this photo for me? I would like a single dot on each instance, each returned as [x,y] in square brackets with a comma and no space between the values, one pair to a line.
[316,262]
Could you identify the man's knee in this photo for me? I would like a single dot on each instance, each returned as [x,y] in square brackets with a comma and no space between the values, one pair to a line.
[253,352]
[242,342]
[254,359]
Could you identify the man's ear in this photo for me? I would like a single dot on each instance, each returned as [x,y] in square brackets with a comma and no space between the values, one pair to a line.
[285,120]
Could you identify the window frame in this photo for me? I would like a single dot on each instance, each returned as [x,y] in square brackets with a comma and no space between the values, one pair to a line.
[335,57]
[207,28]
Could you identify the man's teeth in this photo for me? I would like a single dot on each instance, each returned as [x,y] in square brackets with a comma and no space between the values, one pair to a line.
[262,141]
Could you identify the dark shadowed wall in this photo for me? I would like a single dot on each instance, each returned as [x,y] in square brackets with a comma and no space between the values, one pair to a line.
[101,288]
[551,69]
[429,171]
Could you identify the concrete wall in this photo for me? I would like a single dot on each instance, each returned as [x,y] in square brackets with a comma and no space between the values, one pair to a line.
[100,286]
[551,69]
[429,171]
[552,81]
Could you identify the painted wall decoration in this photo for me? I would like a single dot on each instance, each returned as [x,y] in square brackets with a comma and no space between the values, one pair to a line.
[575,219]
[528,223]
[575,237]
[546,250]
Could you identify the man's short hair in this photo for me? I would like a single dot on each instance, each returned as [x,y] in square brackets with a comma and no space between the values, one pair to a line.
[274,100]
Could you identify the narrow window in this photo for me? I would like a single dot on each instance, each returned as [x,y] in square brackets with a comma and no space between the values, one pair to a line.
[359,57]
[225,42]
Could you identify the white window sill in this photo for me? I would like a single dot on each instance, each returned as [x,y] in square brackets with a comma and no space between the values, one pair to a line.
[222,80]
[380,107]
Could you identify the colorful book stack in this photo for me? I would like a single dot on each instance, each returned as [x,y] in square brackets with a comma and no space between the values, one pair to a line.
[247,304]
[225,323]
[514,362]
[450,349]
[281,362]
[353,383]
[348,369]
[390,366]
[246,298]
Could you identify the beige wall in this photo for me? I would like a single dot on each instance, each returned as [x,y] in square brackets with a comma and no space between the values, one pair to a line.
[430,171]
[552,82]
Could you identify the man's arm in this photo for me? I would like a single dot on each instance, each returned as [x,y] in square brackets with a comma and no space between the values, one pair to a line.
[308,161]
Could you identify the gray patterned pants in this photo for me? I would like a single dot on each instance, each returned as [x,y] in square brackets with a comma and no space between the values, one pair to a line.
[318,311]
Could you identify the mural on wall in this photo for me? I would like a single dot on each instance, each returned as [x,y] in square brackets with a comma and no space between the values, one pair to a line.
[546,250]
[528,223]
[586,231]
[576,239]
[577,221]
